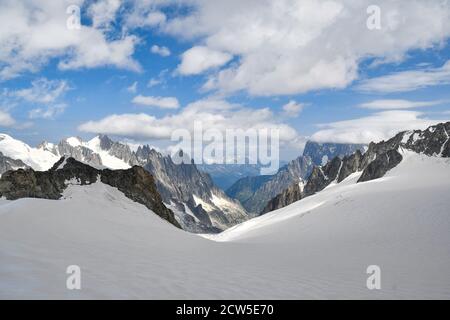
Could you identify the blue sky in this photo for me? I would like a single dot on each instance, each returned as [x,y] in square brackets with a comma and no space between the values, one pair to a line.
[312,67]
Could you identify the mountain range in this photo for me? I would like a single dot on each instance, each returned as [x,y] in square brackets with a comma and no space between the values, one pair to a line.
[199,206]
[255,192]
[385,207]
[190,198]
[374,163]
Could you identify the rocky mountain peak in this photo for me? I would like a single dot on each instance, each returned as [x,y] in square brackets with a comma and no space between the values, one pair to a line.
[105,142]
[136,183]
[373,164]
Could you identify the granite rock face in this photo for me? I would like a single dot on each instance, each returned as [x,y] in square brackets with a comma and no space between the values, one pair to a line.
[136,183]
[199,205]
[373,164]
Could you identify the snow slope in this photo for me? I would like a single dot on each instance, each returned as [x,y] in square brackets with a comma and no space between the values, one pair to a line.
[318,247]
[39,159]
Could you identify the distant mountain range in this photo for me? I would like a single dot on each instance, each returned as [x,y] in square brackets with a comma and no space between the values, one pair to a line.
[225,175]
[186,196]
[255,192]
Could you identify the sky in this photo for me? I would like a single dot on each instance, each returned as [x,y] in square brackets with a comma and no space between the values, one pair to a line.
[331,71]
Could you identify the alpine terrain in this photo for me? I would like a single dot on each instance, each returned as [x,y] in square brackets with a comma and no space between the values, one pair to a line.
[387,207]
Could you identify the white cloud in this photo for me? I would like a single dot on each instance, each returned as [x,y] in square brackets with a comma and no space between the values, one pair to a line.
[376,127]
[162,51]
[144,15]
[398,104]
[294,46]
[47,113]
[408,80]
[43,91]
[6,120]
[133,87]
[214,114]
[199,59]
[293,109]
[103,12]
[159,102]
[32,32]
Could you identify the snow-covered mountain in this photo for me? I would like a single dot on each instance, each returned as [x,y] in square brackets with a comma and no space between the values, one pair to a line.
[36,158]
[317,248]
[6,163]
[136,183]
[198,204]
[373,164]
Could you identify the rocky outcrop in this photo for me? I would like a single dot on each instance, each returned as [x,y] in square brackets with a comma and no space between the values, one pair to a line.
[136,183]
[198,204]
[6,164]
[80,153]
[118,150]
[288,196]
[373,164]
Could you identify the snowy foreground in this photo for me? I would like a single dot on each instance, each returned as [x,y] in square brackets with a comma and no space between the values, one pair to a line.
[316,248]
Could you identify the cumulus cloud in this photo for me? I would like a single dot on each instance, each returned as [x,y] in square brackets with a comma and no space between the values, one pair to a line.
[407,80]
[292,108]
[214,114]
[103,12]
[162,51]
[159,102]
[398,104]
[199,59]
[40,33]
[292,46]
[375,127]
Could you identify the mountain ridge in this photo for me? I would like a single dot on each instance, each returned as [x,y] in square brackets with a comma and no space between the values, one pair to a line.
[136,183]
[198,204]
[374,163]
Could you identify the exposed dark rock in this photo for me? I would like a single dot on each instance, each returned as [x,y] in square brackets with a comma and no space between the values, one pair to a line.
[290,195]
[322,176]
[350,164]
[136,183]
[6,164]
[375,163]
